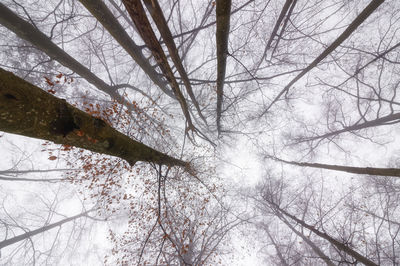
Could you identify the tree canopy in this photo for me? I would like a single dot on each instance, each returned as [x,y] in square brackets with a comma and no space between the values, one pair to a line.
[170,132]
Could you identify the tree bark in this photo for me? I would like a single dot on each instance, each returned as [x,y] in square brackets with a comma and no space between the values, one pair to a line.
[222,35]
[29,111]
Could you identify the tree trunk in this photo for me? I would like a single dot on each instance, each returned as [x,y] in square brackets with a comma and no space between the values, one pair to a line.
[348,169]
[138,15]
[325,236]
[373,5]
[276,246]
[28,32]
[158,17]
[100,11]
[274,32]
[29,111]
[223,20]
[314,247]
[386,120]
[32,233]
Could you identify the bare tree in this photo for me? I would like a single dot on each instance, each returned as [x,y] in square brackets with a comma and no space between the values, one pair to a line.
[159,75]
[32,233]
[348,169]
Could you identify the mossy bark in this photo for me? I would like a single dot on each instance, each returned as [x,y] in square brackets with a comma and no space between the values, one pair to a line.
[29,111]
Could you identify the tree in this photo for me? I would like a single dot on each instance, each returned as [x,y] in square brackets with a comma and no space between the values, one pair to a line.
[349,169]
[32,233]
[273,195]
[147,104]
[29,111]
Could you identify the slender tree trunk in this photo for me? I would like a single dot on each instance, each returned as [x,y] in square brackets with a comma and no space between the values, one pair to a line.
[348,169]
[101,12]
[278,22]
[283,28]
[29,111]
[314,247]
[49,180]
[375,215]
[325,236]
[28,32]
[276,246]
[386,120]
[373,5]
[138,15]
[223,23]
[21,172]
[32,233]
[158,17]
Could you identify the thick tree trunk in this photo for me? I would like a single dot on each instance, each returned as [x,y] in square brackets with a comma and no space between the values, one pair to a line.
[32,233]
[29,111]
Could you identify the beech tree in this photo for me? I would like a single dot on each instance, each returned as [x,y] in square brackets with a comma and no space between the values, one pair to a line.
[54,119]
[160,112]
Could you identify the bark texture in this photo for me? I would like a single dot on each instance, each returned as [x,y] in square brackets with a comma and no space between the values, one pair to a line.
[29,111]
